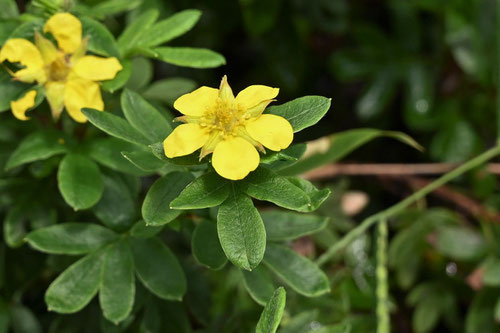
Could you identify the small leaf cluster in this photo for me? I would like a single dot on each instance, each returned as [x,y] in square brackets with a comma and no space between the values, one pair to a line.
[122,231]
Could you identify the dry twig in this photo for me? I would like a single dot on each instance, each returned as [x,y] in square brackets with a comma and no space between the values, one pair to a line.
[407,173]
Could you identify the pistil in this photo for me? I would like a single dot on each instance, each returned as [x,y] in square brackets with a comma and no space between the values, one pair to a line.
[59,69]
[224,117]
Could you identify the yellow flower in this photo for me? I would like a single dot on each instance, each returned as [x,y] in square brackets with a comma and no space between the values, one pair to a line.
[229,127]
[67,74]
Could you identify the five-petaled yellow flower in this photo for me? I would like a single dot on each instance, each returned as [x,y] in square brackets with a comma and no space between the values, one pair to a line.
[232,128]
[67,74]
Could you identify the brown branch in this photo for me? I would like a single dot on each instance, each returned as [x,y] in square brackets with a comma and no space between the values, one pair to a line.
[407,173]
[465,203]
[397,169]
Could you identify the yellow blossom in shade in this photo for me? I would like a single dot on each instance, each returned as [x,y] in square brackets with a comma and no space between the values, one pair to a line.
[70,77]
[232,128]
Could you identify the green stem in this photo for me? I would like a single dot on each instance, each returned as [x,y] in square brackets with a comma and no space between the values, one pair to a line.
[393,210]
[383,317]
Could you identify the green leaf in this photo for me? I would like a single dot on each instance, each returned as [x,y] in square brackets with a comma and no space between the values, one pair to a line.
[282,226]
[136,30]
[144,117]
[259,284]
[145,160]
[115,126]
[377,96]
[480,314]
[141,230]
[134,184]
[418,111]
[158,151]
[206,246]
[120,79]
[189,57]
[10,90]
[37,146]
[79,181]
[279,160]
[491,275]
[107,152]
[271,316]
[343,143]
[113,7]
[156,207]
[170,28]
[152,319]
[165,316]
[168,90]
[241,231]
[108,327]
[23,320]
[407,247]
[345,327]
[117,289]
[301,274]
[70,238]
[9,9]
[302,322]
[158,268]
[462,39]
[6,28]
[14,226]
[76,286]
[40,215]
[146,52]
[209,190]
[302,112]
[455,142]
[117,207]
[101,41]
[316,197]
[460,243]
[497,310]
[264,184]
[27,29]
[141,75]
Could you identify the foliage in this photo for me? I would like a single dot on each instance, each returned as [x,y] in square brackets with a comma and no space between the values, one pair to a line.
[103,233]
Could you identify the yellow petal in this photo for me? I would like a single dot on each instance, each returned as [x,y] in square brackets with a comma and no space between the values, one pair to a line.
[26,53]
[54,91]
[274,132]
[253,95]
[257,110]
[184,140]
[48,50]
[212,142]
[235,158]
[225,91]
[80,51]
[22,105]
[81,93]
[66,29]
[97,68]
[197,102]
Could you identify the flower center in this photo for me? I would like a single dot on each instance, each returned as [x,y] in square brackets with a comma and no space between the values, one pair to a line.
[59,69]
[225,117]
